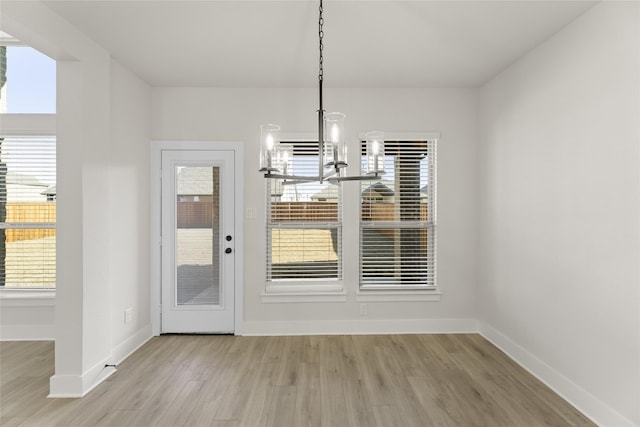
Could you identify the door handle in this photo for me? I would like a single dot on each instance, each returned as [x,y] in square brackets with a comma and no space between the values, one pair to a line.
[228,251]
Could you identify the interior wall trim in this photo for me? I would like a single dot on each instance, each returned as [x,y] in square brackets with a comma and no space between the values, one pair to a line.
[130,345]
[45,332]
[75,386]
[592,407]
[360,327]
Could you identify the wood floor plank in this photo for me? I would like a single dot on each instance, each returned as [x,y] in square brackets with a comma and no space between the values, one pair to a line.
[117,418]
[20,393]
[311,348]
[217,383]
[291,359]
[359,408]
[307,412]
[226,381]
[179,410]
[164,392]
[376,381]
[283,402]
[224,423]
[393,359]
[241,371]
[348,358]
[52,412]
[11,421]
[258,402]
[387,416]
[333,405]
[432,402]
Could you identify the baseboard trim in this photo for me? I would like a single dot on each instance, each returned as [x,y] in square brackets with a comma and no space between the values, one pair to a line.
[65,386]
[592,407]
[127,347]
[74,386]
[360,327]
[27,332]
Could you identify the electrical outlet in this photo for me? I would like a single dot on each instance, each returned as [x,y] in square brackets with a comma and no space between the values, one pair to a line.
[128,315]
[363,310]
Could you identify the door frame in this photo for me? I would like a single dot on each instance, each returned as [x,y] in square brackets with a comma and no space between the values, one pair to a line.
[155,224]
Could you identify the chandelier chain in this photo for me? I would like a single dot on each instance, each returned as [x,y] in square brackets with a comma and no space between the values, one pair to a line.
[321,36]
[275,158]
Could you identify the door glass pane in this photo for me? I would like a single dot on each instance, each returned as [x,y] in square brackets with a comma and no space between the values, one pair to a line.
[197,235]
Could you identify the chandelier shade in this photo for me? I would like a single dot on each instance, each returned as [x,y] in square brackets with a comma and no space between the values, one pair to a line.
[284,155]
[335,147]
[375,153]
[269,141]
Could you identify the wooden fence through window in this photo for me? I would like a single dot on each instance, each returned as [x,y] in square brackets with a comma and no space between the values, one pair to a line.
[21,212]
[195,214]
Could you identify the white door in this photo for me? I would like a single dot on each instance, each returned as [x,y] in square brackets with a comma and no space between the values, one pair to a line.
[197,242]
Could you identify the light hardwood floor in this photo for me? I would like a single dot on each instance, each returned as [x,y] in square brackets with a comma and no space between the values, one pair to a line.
[385,380]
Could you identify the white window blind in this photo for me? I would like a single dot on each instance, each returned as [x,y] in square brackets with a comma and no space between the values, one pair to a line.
[303,224]
[397,221]
[28,212]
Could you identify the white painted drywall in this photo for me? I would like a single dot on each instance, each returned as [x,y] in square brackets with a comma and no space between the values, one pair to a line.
[94,280]
[29,319]
[559,204]
[129,209]
[236,114]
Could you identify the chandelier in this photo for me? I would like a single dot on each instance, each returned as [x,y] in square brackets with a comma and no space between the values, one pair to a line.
[276,159]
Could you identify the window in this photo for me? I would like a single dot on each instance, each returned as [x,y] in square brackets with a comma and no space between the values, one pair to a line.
[304,227]
[28,212]
[30,79]
[397,219]
[27,167]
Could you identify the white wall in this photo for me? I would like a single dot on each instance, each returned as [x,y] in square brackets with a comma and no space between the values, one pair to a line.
[129,210]
[24,319]
[560,206]
[236,114]
[94,279]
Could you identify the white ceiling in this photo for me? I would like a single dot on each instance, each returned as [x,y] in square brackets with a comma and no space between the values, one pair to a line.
[275,43]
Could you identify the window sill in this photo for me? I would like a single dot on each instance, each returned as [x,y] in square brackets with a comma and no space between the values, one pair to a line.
[27,297]
[275,293]
[373,295]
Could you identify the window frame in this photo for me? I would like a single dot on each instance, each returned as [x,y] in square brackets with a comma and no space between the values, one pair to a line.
[302,289]
[274,293]
[15,125]
[408,292]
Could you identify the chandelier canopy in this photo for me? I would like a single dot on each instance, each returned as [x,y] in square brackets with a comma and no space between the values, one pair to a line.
[276,158]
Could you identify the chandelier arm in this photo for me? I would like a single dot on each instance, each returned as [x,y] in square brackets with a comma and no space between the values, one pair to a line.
[355,178]
[329,174]
[292,177]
